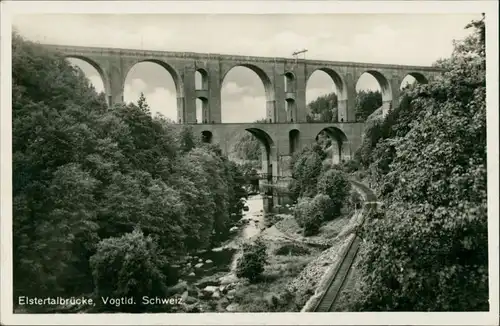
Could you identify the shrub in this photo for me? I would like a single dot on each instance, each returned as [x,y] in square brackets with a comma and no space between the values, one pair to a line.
[251,264]
[335,184]
[129,266]
[355,199]
[310,213]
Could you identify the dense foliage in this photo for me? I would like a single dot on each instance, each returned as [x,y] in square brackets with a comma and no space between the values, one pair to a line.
[323,109]
[337,187]
[319,189]
[251,264]
[310,213]
[366,103]
[128,267]
[83,173]
[427,160]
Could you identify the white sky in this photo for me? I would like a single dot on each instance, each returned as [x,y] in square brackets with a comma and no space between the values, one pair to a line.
[413,39]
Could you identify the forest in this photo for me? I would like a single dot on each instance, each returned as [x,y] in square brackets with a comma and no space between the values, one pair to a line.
[104,201]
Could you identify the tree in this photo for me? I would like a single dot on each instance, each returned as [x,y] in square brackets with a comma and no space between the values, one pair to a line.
[130,266]
[143,105]
[252,262]
[430,251]
[83,173]
[323,109]
[335,184]
[366,103]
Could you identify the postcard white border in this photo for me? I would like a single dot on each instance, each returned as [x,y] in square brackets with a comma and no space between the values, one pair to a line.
[10,8]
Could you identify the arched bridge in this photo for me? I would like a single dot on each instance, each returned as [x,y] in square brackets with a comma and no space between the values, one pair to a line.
[284,79]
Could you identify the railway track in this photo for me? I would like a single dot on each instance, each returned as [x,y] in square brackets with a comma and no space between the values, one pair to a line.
[339,275]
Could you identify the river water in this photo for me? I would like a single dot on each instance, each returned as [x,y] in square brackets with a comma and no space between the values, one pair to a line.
[222,259]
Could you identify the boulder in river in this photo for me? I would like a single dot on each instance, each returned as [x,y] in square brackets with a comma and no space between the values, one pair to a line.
[210,289]
[192,274]
[233,229]
[199,265]
[200,260]
[208,261]
[216,295]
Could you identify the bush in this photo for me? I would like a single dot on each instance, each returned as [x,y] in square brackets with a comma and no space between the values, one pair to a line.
[351,166]
[336,185]
[310,213]
[355,199]
[251,264]
[129,266]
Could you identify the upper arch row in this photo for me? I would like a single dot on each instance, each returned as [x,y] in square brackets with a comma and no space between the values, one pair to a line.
[266,73]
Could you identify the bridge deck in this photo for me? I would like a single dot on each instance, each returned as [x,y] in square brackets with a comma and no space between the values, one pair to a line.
[216,56]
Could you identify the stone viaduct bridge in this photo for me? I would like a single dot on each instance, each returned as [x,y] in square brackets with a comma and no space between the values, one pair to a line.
[284,79]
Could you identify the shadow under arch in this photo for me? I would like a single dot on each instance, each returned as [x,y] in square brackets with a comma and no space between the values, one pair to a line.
[385,86]
[294,140]
[268,85]
[419,77]
[99,69]
[290,80]
[201,81]
[337,150]
[206,136]
[338,81]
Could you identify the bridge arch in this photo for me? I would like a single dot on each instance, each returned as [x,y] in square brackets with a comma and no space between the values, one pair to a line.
[383,82]
[294,140]
[264,77]
[201,109]
[179,87]
[268,151]
[413,77]
[339,147]
[290,82]
[163,88]
[201,79]
[248,92]
[104,77]
[339,88]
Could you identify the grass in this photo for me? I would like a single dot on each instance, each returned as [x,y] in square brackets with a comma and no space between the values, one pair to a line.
[270,294]
[291,249]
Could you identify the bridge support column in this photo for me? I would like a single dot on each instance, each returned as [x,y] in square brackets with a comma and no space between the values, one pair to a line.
[189,95]
[271,111]
[214,93]
[347,105]
[114,92]
[395,90]
[300,92]
[181,113]
[345,151]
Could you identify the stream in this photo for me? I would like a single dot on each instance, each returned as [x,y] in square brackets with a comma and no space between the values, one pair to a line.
[222,259]
[207,279]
